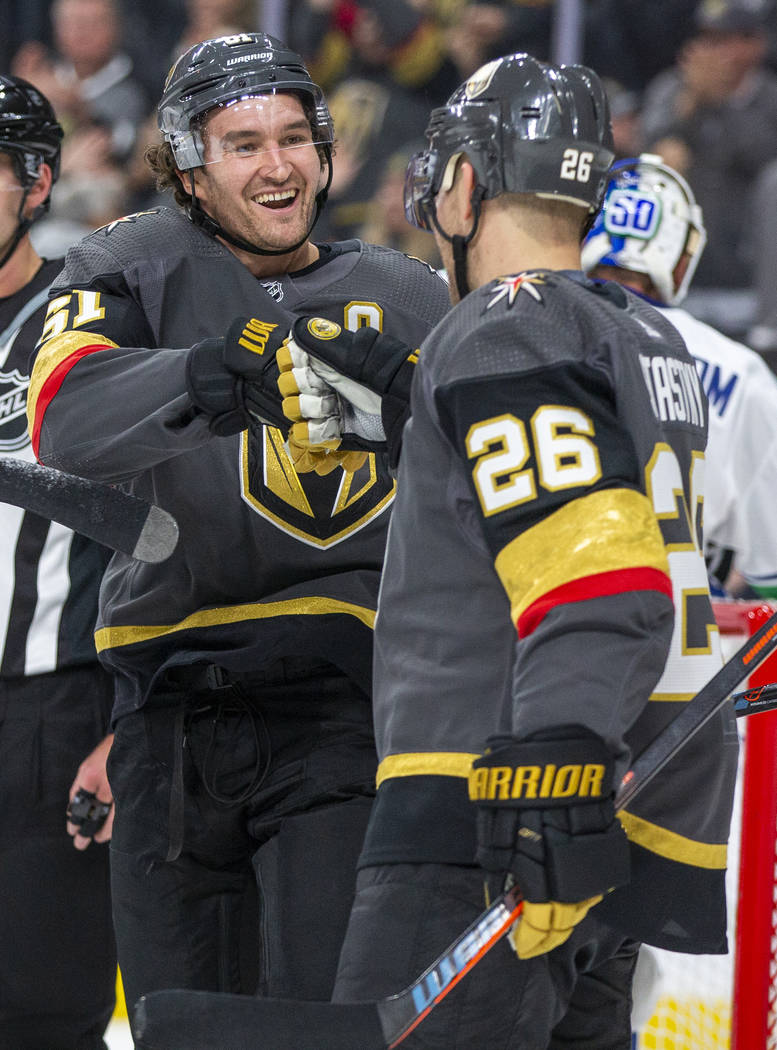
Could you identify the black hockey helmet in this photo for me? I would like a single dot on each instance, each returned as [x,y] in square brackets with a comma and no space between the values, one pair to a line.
[29,130]
[225,69]
[31,135]
[526,127]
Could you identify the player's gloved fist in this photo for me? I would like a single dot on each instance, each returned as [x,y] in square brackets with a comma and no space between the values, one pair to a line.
[546,817]
[323,458]
[313,409]
[369,372]
[233,379]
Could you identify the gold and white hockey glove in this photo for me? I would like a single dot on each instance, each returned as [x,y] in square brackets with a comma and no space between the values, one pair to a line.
[367,373]
[313,409]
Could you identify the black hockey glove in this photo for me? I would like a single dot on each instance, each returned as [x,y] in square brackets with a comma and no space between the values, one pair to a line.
[351,387]
[546,817]
[233,379]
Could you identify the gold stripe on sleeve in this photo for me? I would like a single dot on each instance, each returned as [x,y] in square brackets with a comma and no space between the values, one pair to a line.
[606,531]
[55,353]
[670,845]
[433,763]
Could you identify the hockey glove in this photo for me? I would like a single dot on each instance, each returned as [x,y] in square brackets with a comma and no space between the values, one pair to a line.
[322,458]
[546,817]
[315,412]
[233,379]
[369,375]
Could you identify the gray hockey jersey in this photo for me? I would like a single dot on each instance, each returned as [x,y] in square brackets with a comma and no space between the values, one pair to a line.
[269,563]
[545,567]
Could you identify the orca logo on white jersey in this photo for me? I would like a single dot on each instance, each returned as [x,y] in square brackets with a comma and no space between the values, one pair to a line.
[718,385]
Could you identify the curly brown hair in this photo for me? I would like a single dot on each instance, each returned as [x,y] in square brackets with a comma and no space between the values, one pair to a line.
[160,159]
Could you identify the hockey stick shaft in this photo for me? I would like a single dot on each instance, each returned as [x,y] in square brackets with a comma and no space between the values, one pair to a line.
[698,711]
[101,512]
[751,701]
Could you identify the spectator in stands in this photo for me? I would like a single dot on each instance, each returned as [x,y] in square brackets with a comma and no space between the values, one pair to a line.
[632,41]
[762,336]
[401,43]
[373,119]
[206,19]
[88,76]
[93,190]
[385,213]
[480,32]
[625,113]
[386,62]
[713,117]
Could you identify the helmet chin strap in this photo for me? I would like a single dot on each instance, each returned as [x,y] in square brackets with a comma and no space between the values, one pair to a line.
[205,222]
[459,243]
[22,227]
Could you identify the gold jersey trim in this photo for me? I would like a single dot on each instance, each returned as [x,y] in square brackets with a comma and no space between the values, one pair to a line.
[53,354]
[605,531]
[432,763]
[671,846]
[114,637]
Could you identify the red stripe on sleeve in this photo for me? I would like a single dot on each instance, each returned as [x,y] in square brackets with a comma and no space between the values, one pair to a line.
[52,384]
[616,582]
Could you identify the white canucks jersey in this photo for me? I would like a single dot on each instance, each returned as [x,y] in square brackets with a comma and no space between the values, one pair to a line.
[741,451]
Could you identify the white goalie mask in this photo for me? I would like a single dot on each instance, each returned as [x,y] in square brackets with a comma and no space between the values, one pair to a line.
[648,223]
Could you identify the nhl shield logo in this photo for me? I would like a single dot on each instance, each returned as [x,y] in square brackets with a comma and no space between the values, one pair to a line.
[13,411]
[274,289]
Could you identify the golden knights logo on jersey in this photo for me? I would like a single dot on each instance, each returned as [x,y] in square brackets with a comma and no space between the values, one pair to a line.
[321,511]
[507,288]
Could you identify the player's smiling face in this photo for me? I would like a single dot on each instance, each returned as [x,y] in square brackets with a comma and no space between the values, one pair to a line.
[262,170]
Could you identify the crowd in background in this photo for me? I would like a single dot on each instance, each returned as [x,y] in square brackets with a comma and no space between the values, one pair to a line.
[701,93]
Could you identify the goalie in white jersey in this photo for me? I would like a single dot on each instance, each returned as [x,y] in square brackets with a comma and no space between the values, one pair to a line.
[649,236]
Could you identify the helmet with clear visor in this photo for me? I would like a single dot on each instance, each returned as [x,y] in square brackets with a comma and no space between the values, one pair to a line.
[649,223]
[227,70]
[246,71]
[526,127]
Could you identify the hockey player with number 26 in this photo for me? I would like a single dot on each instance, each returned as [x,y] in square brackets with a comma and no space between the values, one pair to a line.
[544,608]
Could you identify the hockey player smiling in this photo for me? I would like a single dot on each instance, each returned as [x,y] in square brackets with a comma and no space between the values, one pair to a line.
[261,176]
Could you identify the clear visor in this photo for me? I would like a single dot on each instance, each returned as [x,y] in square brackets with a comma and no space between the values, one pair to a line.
[419,188]
[272,127]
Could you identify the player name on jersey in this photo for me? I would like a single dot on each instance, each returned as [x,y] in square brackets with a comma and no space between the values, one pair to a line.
[674,389]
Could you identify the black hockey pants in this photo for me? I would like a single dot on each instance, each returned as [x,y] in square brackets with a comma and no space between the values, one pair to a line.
[275,781]
[57,954]
[577,997]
